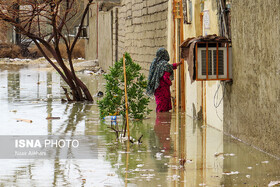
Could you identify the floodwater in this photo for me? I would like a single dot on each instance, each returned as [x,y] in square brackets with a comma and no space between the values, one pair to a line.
[175,150]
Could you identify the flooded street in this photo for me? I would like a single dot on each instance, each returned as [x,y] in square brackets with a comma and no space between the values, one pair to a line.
[176,150]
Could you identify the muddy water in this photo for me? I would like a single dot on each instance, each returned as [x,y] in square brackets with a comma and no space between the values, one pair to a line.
[175,150]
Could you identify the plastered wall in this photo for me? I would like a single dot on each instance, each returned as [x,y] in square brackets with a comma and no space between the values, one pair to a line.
[200,96]
[251,105]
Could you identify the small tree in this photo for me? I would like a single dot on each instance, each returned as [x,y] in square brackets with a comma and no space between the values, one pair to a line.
[114,99]
[45,23]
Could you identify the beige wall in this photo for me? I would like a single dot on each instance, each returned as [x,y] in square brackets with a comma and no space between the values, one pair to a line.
[105,44]
[252,109]
[203,91]
[91,42]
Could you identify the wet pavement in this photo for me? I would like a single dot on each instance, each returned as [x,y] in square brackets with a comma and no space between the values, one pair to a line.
[175,150]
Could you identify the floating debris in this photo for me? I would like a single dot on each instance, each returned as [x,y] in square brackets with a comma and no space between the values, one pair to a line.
[249,167]
[147,176]
[24,120]
[274,183]
[182,162]
[13,111]
[229,154]
[158,156]
[51,118]
[111,174]
[218,154]
[143,170]
[248,176]
[167,156]
[139,165]
[231,173]
[265,162]
[189,161]
[84,181]
[100,94]
[173,177]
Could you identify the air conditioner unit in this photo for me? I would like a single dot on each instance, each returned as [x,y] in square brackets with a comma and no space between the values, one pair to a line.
[224,68]
[84,32]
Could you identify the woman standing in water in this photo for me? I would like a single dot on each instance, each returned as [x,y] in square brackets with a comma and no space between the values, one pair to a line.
[159,81]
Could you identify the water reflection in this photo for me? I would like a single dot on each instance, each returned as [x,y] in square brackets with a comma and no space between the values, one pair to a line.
[162,130]
[176,150]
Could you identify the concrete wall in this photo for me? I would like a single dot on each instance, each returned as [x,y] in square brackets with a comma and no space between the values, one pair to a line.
[91,42]
[105,45]
[251,106]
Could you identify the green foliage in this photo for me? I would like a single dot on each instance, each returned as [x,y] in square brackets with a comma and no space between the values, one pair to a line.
[114,100]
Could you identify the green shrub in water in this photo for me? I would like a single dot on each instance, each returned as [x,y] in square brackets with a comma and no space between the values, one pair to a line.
[113,102]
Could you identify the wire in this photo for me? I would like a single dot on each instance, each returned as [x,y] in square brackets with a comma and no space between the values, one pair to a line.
[216,97]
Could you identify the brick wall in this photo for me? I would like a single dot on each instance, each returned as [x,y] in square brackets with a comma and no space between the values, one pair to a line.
[140,28]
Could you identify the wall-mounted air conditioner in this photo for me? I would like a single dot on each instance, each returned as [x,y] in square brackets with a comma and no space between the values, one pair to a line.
[219,63]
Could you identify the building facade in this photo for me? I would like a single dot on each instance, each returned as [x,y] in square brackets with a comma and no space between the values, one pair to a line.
[248,107]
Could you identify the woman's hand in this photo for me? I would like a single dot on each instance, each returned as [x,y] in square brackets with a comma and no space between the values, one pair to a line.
[181,62]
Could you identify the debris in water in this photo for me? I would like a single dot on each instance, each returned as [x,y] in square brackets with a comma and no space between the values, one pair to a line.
[218,154]
[147,176]
[173,177]
[140,165]
[189,161]
[24,120]
[249,167]
[167,156]
[229,154]
[248,176]
[231,173]
[48,118]
[13,111]
[111,174]
[100,94]
[158,156]
[182,162]
[274,183]
[265,162]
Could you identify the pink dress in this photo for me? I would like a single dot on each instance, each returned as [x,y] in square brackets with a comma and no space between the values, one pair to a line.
[162,93]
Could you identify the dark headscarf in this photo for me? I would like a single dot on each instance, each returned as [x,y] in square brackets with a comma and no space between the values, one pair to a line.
[158,67]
